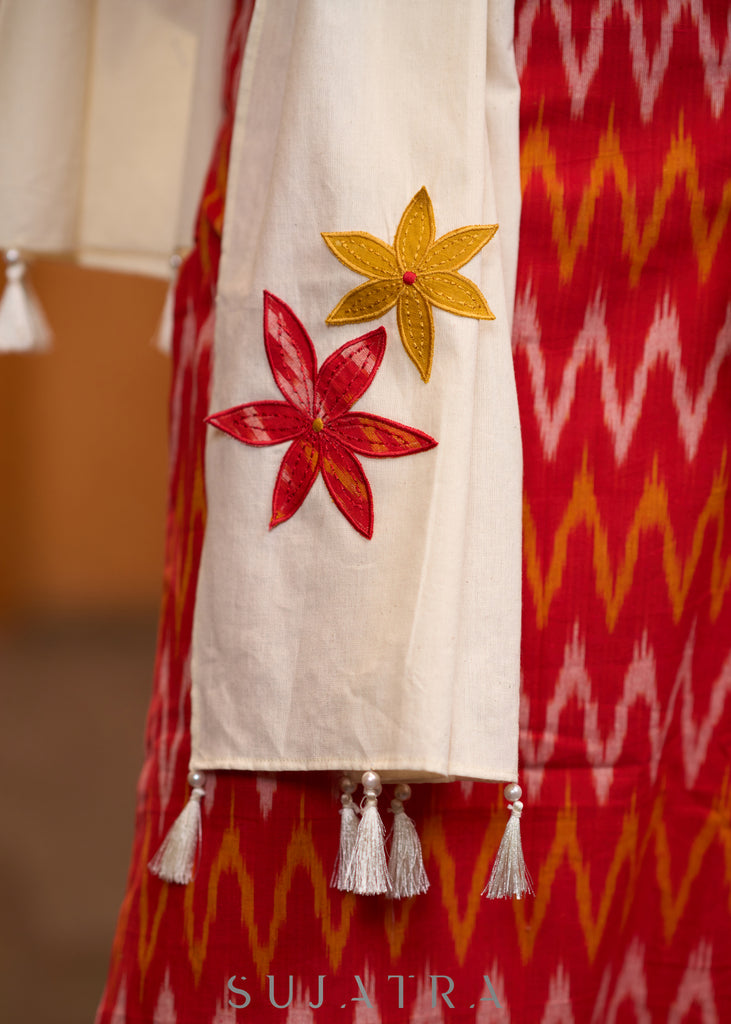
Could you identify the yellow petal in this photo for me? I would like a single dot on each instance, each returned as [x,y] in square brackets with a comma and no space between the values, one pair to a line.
[362,253]
[453,250]
[415,232]
[456,294]
[366,302]
[416,328]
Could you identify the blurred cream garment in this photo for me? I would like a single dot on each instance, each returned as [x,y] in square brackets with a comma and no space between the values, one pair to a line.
[108,110]
[315,647]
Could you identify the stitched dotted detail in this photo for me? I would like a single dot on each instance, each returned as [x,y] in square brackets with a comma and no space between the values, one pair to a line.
[367,302]
[456,248]
[363,253]
[456,294]
[318,444]
[446,294]
[427,266]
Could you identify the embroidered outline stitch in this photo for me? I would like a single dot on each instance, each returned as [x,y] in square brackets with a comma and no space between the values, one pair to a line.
[316,417]
[413,274]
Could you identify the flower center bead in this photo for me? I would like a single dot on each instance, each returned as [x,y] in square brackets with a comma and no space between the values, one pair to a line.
[317,425]
[409,277]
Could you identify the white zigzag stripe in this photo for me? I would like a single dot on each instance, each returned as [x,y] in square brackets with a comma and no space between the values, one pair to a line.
[119,1013]
[487,1011]
[165,1012]
[168,754]
[224,1012]
[630,985]
[558,1005]
[662,344]
[300,1011]
[640,684]
[695,988]
[648,72]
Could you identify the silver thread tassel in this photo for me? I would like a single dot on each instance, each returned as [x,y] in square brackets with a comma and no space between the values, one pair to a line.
[23,325]
[406,863]
[348,831]
[510,877]
[367,872]
[175,859]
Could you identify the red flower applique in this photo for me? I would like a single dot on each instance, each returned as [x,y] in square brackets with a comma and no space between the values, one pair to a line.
[326,437]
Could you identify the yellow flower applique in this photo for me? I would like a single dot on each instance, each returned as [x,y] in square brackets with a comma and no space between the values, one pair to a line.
[413,274]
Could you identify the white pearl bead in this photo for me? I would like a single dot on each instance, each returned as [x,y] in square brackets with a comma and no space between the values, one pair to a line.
[371,782]
[402,791]
[512,792]
[196,779]
[347,785]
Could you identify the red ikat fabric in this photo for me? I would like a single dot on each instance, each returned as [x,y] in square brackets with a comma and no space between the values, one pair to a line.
[622,348]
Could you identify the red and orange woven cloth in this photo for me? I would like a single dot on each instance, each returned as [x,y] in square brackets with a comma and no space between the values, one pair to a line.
[622,354]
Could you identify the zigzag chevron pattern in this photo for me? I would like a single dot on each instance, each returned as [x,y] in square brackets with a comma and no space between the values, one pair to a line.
[649,72]
[224,1012]
[694,990]
[652,514]
[662,348]
[633,845]
[680,166]
[629,852]
[640,686]
[626,498]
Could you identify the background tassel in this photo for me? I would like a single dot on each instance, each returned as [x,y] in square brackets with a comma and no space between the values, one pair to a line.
[23,325]
[510,877]
[348,832]
[175,859]
[406,864]
[162,339]
[368,869]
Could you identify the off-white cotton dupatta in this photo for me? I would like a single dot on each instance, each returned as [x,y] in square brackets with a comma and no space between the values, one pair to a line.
[358,610]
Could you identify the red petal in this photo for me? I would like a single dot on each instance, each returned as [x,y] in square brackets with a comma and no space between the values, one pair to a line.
[291,354]
[347,373]
[348,485]
[379,437]
[296,476]
[260,423]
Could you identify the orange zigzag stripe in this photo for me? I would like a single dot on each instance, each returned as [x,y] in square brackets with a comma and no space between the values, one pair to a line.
[300,856]
[147,939]
[188,510]
[539,157]
[652,513]
[631,850]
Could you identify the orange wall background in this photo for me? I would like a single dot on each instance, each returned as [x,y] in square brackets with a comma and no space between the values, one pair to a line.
[83,467]
[83,458]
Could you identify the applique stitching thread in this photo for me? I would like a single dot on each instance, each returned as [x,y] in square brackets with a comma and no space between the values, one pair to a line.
[327,435]
[409,266]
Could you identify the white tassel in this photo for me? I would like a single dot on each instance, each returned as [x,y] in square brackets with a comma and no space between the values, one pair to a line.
[510,877]
[367,872]
[23,325]
[162,339]
[175,859]
[348,832]
[405,864]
